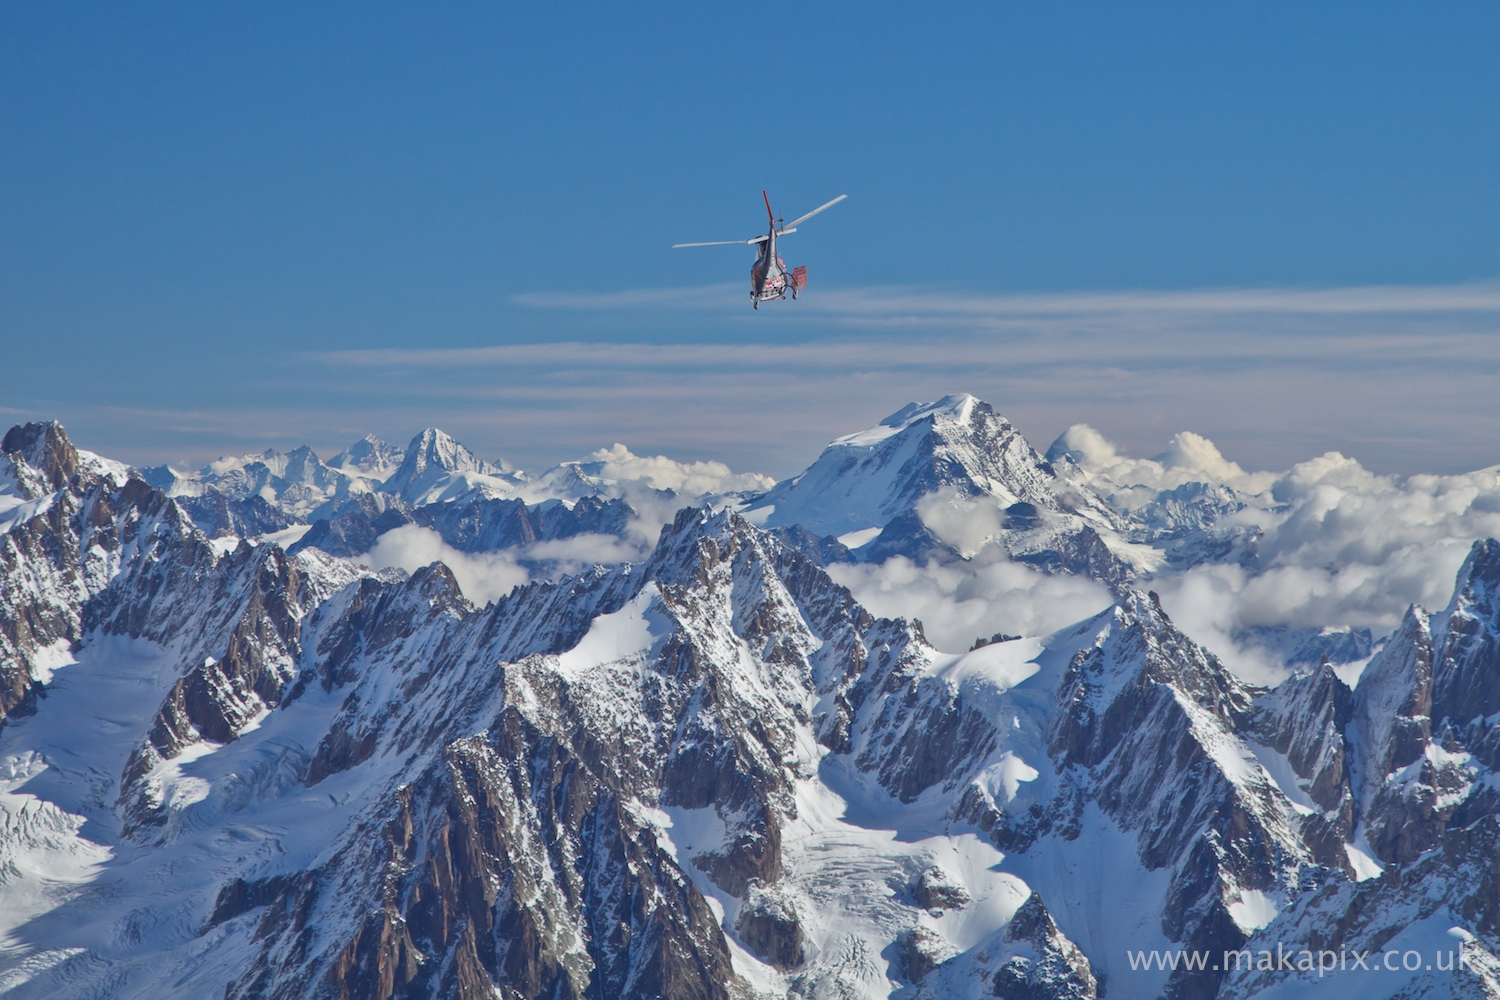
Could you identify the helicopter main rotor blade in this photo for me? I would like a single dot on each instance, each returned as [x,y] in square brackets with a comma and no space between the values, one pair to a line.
[809,215]
[722,243]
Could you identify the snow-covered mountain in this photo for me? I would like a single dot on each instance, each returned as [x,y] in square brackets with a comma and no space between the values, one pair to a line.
[248,767]
[370,458]
[437,468]
[371,488]
[256,494]
[950,478]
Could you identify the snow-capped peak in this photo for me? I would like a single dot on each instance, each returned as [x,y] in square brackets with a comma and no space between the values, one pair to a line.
[45,448]
[437,467]
[956,408]
[957,449]
[370,457]
[433,448]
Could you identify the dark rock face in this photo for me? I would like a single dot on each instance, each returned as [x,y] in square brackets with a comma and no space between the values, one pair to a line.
[473,906]
[1082,553]
[1308,647]
[473,526]
[240,896]
[1394,701]
[483,525]
[1457,884]
[1468,657]
[769,926]
[1393,720]
[1148,744]
[356,525]
[558,774]
[218,697]
[921,951]
[937,890]
[45,449]
[1052,967]
[54,564]
[906,535]
[1305,720]
[822,551]
[217,516]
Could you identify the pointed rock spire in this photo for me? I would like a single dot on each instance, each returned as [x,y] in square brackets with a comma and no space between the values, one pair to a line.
[44,446]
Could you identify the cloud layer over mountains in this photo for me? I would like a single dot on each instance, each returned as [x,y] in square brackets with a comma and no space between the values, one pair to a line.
[1337,546]
[1340,545]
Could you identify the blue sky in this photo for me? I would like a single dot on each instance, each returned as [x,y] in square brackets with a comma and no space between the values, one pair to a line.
[226,228]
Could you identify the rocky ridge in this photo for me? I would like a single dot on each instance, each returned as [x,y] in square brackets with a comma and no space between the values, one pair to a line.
[710,773]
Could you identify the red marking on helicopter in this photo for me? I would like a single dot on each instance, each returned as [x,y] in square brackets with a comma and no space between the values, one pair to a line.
[769,278]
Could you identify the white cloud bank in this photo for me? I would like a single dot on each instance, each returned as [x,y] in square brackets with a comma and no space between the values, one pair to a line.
[1189,458]
[688,479]
[1339,546]
[960,602]
[488,576]
[483,577]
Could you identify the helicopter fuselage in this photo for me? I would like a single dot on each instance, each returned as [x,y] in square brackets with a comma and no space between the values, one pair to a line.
[768,279]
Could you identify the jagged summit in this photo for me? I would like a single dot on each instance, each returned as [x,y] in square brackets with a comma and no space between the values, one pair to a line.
[947,479]
[957,408]
[866,480]
[435,449]
[370,457]
[45,448]
[437,468]
[1467,682]
[269,491]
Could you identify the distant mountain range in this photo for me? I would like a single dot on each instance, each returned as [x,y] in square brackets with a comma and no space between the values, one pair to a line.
[239,759]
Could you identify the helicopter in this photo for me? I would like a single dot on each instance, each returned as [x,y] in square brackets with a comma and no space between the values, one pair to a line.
[769,278]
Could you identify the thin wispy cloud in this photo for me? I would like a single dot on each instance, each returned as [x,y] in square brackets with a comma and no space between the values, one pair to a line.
[1402,377]
[698,297]
[1371,299]
[1418,347]
[887,302]
[1361,325]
